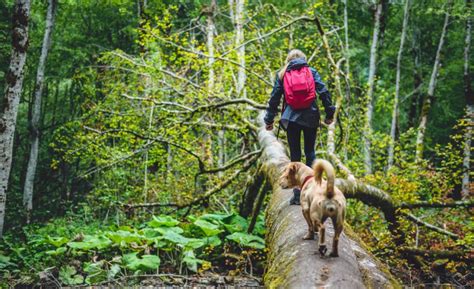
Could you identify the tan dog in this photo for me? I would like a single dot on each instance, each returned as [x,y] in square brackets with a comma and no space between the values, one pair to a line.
[320,199]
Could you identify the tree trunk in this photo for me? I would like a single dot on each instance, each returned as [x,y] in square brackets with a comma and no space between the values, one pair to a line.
[291,261]
[470,105]
[239,39]
[393,128]
[36,113]
[417,79]
[346,54]
[371,84]
[11,99]
[431,88]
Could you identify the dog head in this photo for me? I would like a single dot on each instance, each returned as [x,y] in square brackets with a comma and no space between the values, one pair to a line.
[288,178]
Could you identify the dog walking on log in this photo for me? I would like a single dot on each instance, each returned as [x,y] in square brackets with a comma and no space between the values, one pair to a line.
[301,85]
[320,200]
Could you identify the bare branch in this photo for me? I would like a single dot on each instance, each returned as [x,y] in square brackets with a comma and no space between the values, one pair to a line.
[466,204]
[430,226]
[204,196]
[438,254]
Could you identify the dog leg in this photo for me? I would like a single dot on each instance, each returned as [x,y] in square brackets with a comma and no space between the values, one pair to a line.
[337,232]
[310,234]
[322,246]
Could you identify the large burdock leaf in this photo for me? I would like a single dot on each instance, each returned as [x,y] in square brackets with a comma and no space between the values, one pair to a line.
[91,242]
[95,272]
[247,240]
[208,228]
[143,263]
[124,237]
[235,223]
[163,221]
[175,238]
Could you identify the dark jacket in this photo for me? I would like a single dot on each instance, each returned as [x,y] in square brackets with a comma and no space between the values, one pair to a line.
[308,117]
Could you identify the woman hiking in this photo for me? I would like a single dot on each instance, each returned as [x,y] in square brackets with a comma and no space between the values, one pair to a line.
[300,84]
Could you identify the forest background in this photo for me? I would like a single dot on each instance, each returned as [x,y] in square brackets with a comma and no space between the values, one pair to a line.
[135,150]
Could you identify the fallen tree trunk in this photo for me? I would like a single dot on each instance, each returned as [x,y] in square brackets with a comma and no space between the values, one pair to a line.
[292,262]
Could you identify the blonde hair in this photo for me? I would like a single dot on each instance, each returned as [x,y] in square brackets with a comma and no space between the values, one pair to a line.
[293,54]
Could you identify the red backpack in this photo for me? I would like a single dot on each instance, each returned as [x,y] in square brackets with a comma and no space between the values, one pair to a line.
[300,89]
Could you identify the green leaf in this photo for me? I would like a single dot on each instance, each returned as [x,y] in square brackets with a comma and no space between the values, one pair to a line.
[58,251]
[56,241]
[175,238]
[163,230]
[213,241]
[95,272]
[247,240]
[68,276]
[208,228]
[91,242]
[123,237]
[163,221]
[114,270]
[144,263]
[191,261]
[235,223]
[215,217]
[5,262]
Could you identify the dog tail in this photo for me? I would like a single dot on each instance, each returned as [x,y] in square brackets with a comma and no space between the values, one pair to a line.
[321,166]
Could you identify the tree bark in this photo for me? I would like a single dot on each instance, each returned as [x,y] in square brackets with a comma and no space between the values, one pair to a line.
[239,39]
[465,191]
[431,88]
[291,261]
[417,79]
[36,113]
[11,99]
[393,128]
[346,48]
[371,84]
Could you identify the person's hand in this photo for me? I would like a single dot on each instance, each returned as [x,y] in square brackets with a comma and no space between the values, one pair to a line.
[269,127]
[328,121]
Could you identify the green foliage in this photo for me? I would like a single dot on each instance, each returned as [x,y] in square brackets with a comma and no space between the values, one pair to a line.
[143,263]
[109,251]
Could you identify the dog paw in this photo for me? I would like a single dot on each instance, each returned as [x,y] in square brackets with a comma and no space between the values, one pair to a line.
[308,237]
[334,254]
[322,250]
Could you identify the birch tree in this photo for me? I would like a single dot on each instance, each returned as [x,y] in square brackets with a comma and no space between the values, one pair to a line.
[470,104]
[431,88]
[371,86]
[36,114]
[397,86]
[11,99]
[239,39]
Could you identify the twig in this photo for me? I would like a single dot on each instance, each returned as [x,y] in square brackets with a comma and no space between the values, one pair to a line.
[430,226]
[467,204]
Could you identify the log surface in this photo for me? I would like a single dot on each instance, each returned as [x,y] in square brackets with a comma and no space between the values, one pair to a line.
[292,261]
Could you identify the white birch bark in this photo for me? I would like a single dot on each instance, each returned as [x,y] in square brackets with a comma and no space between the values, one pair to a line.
[36,113]
[371,86]
[465,192]
[11,99]
[431,88]
[397,86]
[239,39]
[346,39]
[210,30]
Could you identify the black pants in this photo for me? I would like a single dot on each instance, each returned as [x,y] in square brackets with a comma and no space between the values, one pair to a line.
[294,141]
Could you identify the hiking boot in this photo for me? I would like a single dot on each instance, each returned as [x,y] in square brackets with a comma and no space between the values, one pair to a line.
[295,200]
